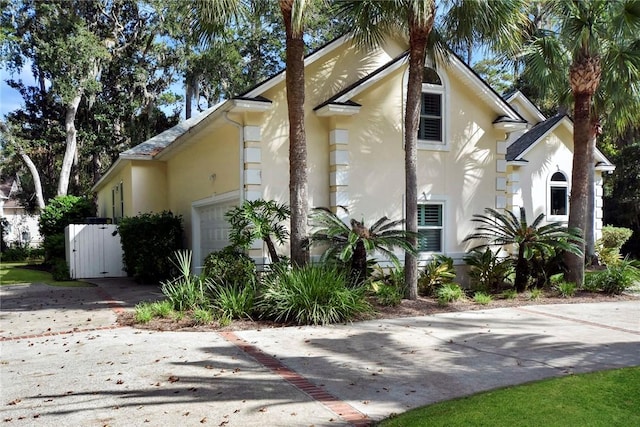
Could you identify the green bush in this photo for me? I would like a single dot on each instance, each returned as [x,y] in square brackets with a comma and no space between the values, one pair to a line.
[535,294]
[202,316]
[15,253]
[387,294]
[609,245]
[148,241]
[162,309]
[566,289]
[143,312]
[186,292]
[4,230]
[229,268]
[311,295]
[488,272]
[60,212]
[60,270]
[233,302]
[617,278]
[482,298]
[438,272]
[509,294]
[449,292]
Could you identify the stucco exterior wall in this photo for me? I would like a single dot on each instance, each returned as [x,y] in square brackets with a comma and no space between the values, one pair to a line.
[208,165]
[104,196]
[547,157]
[149,186]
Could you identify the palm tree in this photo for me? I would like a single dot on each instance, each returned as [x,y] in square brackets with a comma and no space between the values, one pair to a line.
[211,17]
[353,244]
[493,23]
[259,219]
[499,229]
[591,44]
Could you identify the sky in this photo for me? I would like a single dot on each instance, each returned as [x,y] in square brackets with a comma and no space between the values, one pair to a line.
[10,98]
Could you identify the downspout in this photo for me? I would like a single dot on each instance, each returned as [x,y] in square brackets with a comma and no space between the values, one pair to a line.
[241,144]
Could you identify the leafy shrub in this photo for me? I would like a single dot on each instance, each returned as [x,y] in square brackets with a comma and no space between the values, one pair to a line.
[4,230]
[566,289]
[162,309]
[311,295]
[60,212]
[15,253]
[202,316]
[617,278]
[229,268]
[435,274]
[449,292]
[509,294]
[591,282]
[60,270]
[259,219]
[482,298]
[143,312]
[535,293]
[488,272]
[609,245]
[148,241]
[186,292]
[233,302]
[387,294]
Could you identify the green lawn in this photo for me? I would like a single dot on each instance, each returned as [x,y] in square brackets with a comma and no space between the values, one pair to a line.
[11,274]
[609,398]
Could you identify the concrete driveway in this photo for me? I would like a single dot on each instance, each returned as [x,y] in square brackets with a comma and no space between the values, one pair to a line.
[64,361]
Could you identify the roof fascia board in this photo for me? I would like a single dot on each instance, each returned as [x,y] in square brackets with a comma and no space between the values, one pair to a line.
[279,78]
[482,87]
[332,109]
[368,82]
[565,120]
[517,163]
[250,106]
[530,106]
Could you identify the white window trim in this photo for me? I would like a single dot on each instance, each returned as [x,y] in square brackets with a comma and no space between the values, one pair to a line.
[443,201]
[566,184]
[443,89]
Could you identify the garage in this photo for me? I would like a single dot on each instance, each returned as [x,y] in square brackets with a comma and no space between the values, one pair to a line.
[210,229]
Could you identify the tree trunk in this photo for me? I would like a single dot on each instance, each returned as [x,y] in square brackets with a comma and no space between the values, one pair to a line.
[522,270]
[272,249]
[579,182]
[590,238]
[359,264]
[418,35]
[72,143]
[297,139]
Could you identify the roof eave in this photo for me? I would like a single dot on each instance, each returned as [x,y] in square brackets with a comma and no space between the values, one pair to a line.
[336,109]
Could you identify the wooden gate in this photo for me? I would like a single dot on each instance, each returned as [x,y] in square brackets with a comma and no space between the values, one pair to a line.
[93,250]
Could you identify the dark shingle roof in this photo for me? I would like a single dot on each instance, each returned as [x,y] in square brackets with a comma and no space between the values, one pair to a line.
[531,137]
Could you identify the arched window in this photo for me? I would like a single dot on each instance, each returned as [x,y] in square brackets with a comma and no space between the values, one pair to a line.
[431,128]
[558,195]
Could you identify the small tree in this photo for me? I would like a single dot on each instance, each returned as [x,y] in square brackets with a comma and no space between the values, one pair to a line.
[259,219]
[352,244]
[500,229]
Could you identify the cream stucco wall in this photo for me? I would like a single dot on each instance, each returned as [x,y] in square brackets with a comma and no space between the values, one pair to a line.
[104,196]
[207,165]
[554,153]
[148,186]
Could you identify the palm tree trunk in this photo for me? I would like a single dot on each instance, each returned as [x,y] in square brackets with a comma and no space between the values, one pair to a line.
[418,35]
[522,270]
[359,264]
[298,193]
[590,238]
[579,182]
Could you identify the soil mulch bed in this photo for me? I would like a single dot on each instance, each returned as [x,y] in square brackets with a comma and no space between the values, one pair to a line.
[423,306]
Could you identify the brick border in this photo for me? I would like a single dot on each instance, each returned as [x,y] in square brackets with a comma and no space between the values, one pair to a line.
[331,402]
[573,319]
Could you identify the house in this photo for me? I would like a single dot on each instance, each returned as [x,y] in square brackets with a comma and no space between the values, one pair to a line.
[476,150]
[23,228]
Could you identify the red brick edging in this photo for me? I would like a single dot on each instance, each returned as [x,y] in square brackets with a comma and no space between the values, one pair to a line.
[584,322]
[340,408]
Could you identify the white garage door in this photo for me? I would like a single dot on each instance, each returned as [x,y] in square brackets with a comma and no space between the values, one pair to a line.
[214,229]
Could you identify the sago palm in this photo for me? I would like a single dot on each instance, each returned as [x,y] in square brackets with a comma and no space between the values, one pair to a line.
[492,23]
[591,48]
[500,229]
[351,244]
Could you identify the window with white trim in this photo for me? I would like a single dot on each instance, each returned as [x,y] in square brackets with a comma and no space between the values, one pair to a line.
[431,128]
[558,194]
[430,227]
